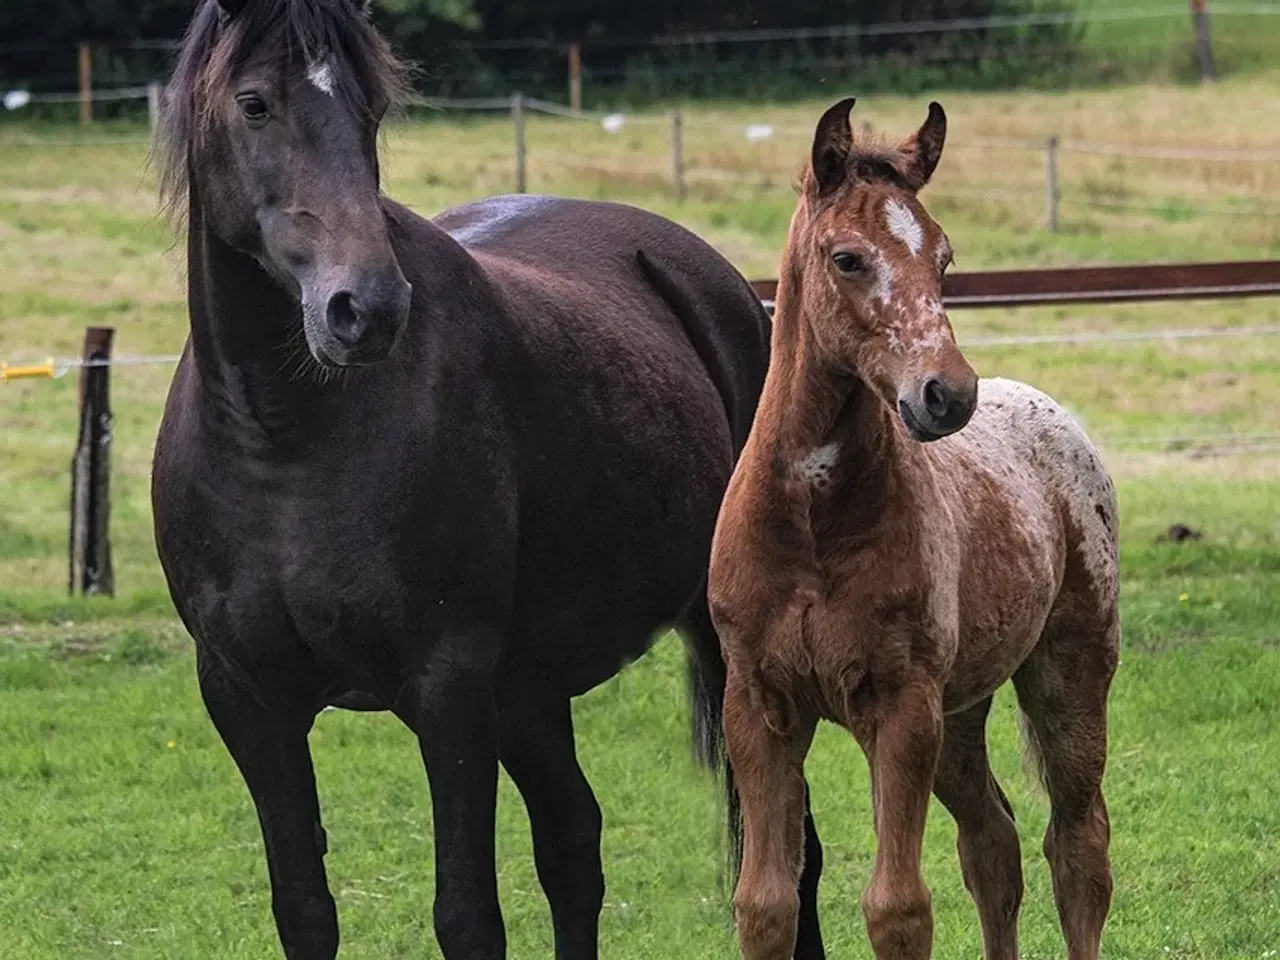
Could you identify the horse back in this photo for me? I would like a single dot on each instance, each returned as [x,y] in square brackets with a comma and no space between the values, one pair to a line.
[581,266]
[1044,465]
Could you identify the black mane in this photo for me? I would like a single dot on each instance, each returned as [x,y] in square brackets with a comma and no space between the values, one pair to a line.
[293,32]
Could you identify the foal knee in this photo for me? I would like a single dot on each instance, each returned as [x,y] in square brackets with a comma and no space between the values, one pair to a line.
[899,922]
[767,922]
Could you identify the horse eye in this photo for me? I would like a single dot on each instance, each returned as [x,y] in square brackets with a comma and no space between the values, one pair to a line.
[252,106]
[848,263]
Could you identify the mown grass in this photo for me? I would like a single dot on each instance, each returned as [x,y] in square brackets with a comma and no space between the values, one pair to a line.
[125,830]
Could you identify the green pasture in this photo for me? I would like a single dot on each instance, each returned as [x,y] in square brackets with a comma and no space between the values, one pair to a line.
[125,830]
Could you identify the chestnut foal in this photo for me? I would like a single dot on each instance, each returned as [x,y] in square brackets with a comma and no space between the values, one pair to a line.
[863,574]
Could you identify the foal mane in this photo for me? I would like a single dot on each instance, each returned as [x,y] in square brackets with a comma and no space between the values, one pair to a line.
[282,31]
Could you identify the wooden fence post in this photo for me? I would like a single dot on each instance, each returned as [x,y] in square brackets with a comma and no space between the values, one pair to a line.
[90,541]
[1204,49]
[86,83]
[575,78]
[517,121]
[677,153]
[153,104]
[1051,183]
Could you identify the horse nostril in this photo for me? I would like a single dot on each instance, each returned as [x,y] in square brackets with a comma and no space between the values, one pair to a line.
[937,399]
[344,321]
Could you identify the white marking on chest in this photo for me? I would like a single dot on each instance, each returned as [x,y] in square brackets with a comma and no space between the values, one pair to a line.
[816,468]
[903,224]
[321,76]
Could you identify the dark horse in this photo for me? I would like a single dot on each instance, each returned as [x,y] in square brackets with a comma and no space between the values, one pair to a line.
[462,469]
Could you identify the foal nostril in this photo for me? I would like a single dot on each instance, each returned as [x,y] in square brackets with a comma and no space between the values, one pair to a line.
[345,322]
[938,400]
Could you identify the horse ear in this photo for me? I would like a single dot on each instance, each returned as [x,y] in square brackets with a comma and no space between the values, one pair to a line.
[923,149]
[832,142]
[232,7]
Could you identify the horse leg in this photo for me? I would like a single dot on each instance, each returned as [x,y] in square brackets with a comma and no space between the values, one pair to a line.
[990,859]
[452,708]
[537,749]
[903,752]
[705,641]
[1062,689]
[270,749]
[768,768]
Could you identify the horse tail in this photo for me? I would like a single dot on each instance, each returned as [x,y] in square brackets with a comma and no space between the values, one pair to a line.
[735,358]
[1032,750]
[705,669]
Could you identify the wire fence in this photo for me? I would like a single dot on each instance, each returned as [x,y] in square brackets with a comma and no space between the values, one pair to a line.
[1066,45]
[728,151]
[1057,178]
[1203,444]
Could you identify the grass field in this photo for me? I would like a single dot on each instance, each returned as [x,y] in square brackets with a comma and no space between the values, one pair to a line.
[125,830]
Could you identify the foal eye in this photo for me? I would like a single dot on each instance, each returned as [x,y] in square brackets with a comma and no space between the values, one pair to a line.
[848,263]
[252,106]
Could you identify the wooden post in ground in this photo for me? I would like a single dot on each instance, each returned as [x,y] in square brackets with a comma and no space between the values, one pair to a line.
[1204,48]
[575,78]
[677,153]
[86,83]
[153,104]
[90,540]
[517,121]
[1051,183]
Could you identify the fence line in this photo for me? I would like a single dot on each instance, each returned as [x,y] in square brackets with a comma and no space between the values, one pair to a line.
[892,28]
[1104,203]
[56,367]
[117,93]
[1120,336]
[1173,11]
[621,118]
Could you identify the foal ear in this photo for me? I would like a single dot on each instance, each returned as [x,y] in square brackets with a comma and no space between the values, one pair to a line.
[232,7]
[832,141]
[923,149]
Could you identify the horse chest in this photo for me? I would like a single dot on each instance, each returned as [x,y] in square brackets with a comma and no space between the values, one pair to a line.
[277,578]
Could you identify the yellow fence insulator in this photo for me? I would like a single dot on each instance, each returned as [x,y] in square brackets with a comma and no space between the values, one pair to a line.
[28,371]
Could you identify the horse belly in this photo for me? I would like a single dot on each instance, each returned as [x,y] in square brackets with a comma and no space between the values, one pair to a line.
[1009,577]
[615,552]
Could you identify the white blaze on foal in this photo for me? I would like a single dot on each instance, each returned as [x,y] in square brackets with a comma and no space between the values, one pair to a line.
[320,74]
[903,224]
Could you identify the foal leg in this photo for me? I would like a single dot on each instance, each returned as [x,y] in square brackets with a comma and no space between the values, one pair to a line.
[903,753]
[768,768]
[990,859]
[537,749]
[1062,689]
[809,933]
[451,706]
[270,748]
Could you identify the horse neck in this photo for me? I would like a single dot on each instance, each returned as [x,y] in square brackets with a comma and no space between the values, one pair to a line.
[251,357]
[239,314]
[809,401]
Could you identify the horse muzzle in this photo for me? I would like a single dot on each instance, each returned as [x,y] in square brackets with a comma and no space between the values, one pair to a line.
[938,408]
[361,323]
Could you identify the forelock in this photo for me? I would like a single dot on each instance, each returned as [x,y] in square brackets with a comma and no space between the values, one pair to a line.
[294,34]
